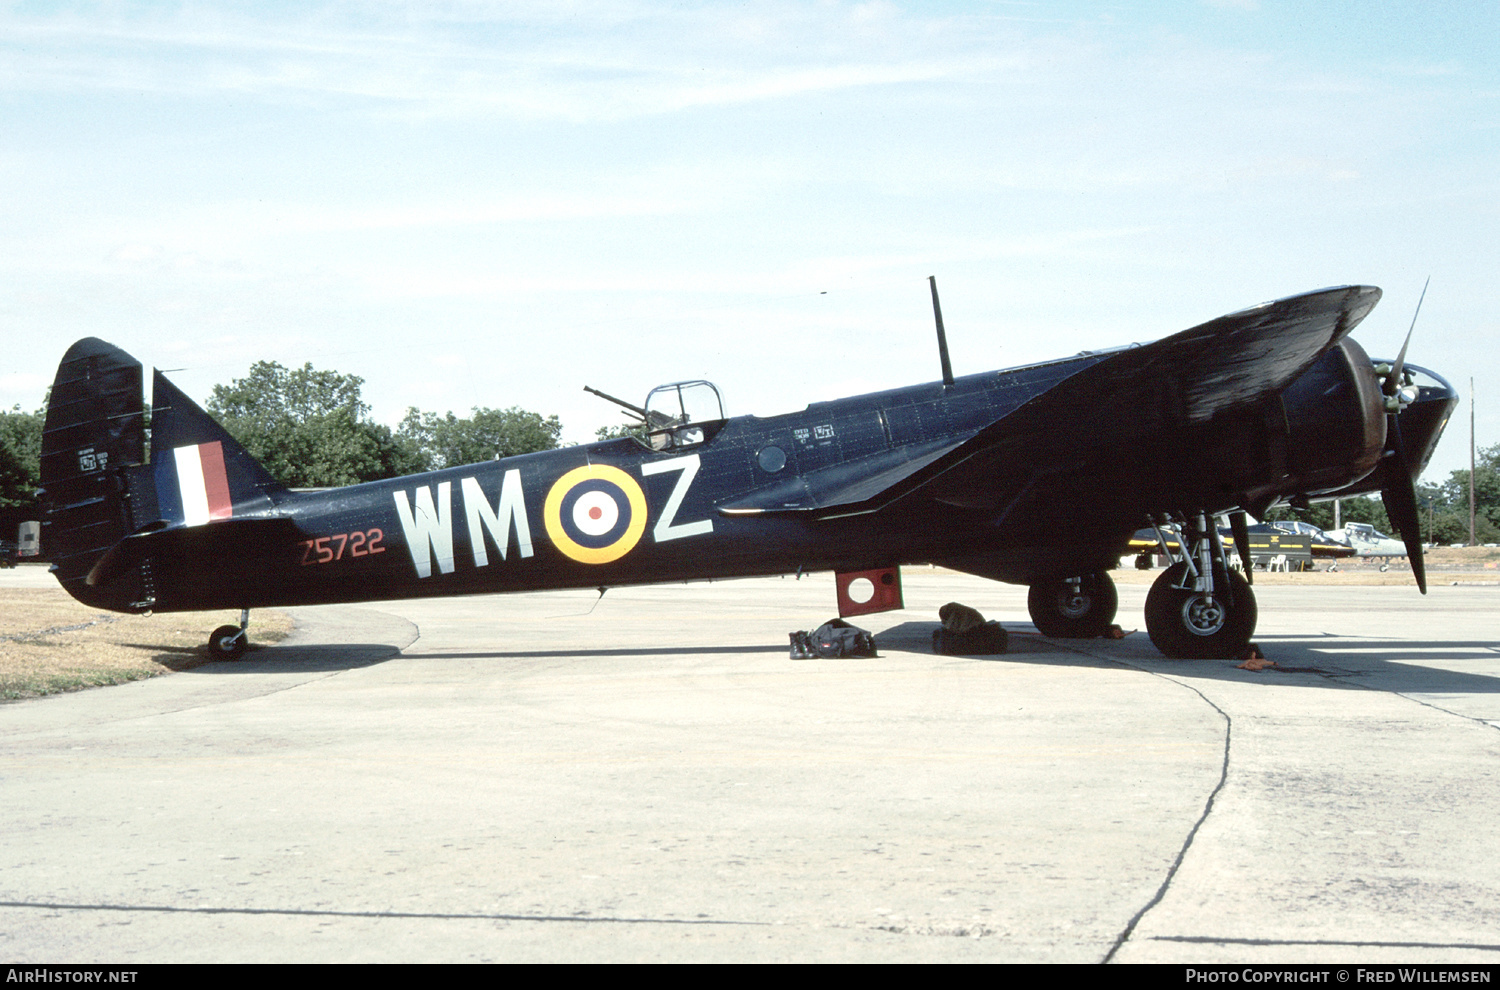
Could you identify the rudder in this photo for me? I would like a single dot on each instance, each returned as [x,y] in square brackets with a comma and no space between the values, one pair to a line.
[93,433]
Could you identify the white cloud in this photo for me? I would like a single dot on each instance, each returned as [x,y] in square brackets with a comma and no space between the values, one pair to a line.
[524,62]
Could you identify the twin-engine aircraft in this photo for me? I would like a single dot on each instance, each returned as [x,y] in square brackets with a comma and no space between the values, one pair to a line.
[1036,475]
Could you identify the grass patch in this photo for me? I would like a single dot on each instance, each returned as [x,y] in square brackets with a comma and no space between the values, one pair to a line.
[50,643]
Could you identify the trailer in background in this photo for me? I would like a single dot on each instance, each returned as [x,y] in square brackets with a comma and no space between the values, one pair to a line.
[29,539]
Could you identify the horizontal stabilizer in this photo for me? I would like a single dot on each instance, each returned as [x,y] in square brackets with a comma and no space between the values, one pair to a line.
[225,540]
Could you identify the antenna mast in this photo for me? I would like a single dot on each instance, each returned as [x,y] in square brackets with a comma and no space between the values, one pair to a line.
[937,314]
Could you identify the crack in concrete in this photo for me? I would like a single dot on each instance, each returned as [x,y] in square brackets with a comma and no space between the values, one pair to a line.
[1334,676]
[1208,805]
[330,913]
[1374,944]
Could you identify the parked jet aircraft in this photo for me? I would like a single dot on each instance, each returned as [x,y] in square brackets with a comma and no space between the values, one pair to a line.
[1035,475]
[1368,541]
[1297,542]
[1290,541]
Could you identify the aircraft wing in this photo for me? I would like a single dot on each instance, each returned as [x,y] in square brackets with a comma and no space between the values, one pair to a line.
[1104,425]
[855,482]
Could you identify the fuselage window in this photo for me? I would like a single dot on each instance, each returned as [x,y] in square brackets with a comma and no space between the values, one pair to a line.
[771,459]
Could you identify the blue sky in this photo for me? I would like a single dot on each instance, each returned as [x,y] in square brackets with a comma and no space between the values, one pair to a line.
[496,204]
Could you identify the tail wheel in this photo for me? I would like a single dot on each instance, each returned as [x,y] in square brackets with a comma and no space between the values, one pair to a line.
[227,643]
[1069,609]
[1190,625]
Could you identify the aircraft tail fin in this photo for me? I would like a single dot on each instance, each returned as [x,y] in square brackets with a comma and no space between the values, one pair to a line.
[99,488]
[201,474]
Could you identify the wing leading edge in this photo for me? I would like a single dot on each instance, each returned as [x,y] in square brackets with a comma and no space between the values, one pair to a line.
[1101,422]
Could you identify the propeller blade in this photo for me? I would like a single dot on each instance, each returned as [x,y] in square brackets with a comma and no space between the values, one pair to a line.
[1399,493]
[1393,380]
[1241,532]
[1397,486]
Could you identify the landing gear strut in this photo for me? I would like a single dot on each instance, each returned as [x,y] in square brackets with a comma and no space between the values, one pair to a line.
[228,642]
[1075,607]
[1201,609]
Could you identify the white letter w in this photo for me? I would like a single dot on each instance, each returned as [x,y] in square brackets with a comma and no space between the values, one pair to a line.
[430,531]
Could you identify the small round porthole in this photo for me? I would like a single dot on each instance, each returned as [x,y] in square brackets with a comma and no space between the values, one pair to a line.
[771,459]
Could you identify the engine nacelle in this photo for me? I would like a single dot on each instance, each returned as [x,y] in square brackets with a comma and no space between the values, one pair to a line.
[1335,422]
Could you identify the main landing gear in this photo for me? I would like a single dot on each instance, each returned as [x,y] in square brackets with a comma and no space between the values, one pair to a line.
[1075,607]
[229,642]
[1200,609]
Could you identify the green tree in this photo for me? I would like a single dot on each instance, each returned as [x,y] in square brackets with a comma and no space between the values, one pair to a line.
[309,427]
[631,429]
[1455,491]
[448,441]
[20,455]
[1447,504]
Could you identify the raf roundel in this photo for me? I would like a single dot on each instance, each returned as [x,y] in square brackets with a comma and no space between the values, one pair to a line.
[595,514]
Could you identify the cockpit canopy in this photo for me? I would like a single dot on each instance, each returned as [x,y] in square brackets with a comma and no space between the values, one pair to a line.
[682,414]
[1365,531]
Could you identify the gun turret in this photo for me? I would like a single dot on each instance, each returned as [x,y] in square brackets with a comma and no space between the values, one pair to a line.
[653,420]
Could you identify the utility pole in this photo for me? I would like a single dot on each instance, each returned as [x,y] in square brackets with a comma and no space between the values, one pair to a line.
[1472,540]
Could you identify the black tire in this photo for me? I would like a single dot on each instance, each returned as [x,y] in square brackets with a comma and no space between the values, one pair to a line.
[227,643]
[1184,627]
[1062,613]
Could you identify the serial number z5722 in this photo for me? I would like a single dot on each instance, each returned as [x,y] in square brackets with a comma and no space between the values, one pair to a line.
[327,549]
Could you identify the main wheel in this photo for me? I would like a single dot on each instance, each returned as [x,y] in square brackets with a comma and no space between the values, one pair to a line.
[227,643]
[1064,612]
[1188,625]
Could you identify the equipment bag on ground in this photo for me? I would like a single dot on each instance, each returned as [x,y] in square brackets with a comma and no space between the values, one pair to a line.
[834,639]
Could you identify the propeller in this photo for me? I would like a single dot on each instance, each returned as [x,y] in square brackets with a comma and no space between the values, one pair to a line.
[1241,531]
[1397,485]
